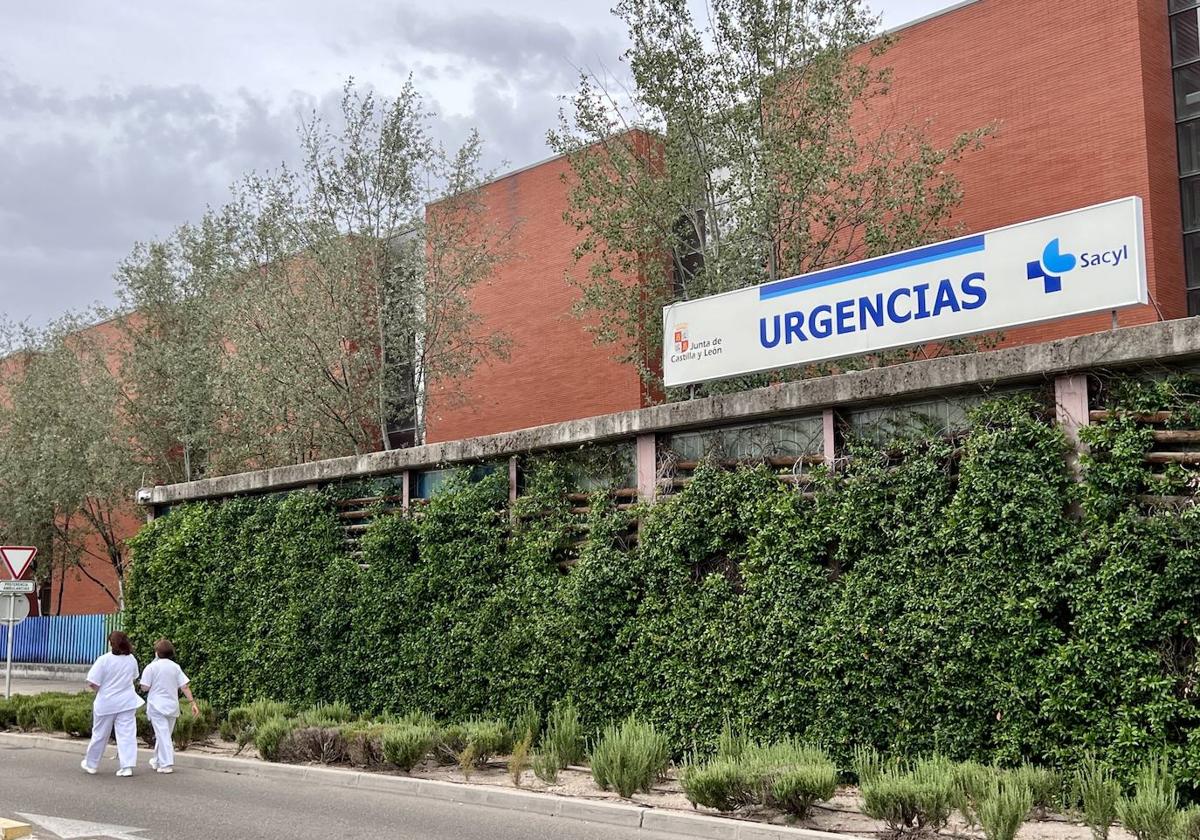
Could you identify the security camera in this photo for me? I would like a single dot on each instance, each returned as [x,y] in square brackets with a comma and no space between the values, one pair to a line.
[144,495]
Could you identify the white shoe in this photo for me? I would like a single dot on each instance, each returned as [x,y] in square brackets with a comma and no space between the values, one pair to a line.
[154,764]
[165,769]
[83,765]
[125,771]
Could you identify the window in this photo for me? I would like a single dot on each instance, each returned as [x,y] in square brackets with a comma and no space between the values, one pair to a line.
[690,232]
[1189,147]
[1191,257]
[1185,37]
[1187,92]
[1185,55]
[1190,189]
[778,438]
[430,483]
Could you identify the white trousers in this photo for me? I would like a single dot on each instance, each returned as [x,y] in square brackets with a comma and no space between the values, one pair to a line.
[164,747]
[102,727]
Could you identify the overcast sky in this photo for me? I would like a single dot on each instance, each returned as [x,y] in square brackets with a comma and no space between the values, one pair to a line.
[118,121]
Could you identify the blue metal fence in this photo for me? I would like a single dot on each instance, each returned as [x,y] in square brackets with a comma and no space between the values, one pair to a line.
[60,639]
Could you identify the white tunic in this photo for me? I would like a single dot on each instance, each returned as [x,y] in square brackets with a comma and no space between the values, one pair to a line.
[164,678]
[115,675]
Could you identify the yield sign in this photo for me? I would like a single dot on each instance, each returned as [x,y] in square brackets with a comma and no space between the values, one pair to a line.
[17,558]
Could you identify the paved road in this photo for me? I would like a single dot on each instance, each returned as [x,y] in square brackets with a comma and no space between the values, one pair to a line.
[208,805]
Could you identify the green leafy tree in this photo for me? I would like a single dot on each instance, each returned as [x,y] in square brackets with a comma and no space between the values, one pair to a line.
[173,346]
[67,475]
[354,301]
[755,145]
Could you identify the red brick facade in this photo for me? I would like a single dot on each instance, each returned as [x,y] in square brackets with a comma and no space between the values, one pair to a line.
[1081,96]
[1079,93]
[554,371]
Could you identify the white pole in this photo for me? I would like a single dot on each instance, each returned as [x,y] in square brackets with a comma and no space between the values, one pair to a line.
[12,615]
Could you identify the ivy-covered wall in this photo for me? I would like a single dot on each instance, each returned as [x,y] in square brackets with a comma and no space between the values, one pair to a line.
[969,598]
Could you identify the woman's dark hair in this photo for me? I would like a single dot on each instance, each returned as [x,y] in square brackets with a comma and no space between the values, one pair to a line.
[119,643]
[164,649]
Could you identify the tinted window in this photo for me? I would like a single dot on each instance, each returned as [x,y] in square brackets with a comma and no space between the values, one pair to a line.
[1191,254]
[1187,92]
[1189,148]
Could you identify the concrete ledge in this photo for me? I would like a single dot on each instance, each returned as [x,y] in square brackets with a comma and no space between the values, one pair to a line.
[758,831]
[1160,345]
[39,671]
[534,803]
[404,785]
[610,813]
[13,830]
[693,825]
[547,804]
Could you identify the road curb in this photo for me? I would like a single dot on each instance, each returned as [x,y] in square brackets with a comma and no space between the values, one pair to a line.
[547,804]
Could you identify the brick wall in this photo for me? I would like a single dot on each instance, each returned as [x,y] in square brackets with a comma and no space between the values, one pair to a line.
[1081,95]
[554,372]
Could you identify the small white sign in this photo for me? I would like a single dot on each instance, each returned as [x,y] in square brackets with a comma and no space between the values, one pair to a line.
[14,608]
[1089,260]
[23,587]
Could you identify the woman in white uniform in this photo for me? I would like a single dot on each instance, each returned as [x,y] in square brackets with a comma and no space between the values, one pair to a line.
[162,681]
[112,678]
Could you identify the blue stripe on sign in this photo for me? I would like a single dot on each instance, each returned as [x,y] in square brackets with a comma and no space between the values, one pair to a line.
[867,268]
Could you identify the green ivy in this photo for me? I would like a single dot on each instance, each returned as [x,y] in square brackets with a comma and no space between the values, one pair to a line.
[969,597]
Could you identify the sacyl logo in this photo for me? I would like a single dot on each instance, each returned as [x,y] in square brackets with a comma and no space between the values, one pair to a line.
[1051,267]
[1054,263]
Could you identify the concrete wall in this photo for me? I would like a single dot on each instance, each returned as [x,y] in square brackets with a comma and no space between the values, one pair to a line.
[1166,344]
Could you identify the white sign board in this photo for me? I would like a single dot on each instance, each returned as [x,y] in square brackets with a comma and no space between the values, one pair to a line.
[13,609]
[1089,260]
[17,558]
[23,587]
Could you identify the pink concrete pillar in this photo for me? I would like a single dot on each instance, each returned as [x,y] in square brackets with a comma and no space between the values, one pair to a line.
[512,480]
[1071,411]
[829,437]
[405,488]
[646,454]
[1071,404]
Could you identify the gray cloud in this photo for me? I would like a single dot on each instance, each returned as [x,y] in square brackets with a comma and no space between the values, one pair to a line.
[84,177]
[522,48]
[120,122]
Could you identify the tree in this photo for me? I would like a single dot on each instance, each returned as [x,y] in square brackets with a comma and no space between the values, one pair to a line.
[754,146]
[355,298]
[309,316]
[67,476]
[172,292]
[306,318]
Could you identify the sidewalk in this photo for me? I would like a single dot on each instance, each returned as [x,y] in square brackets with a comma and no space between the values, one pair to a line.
[26,685]
[33,678]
